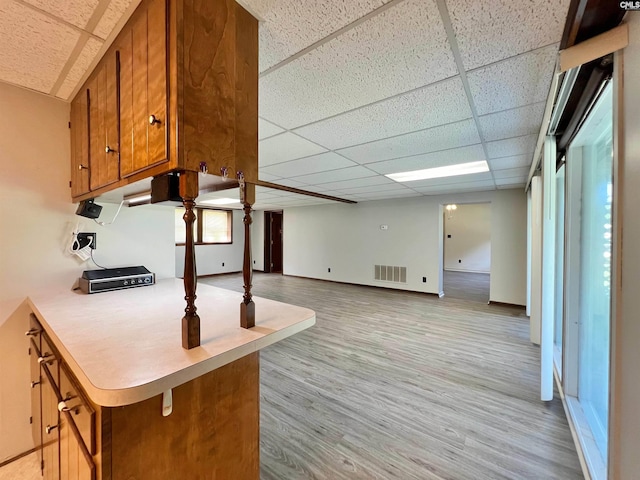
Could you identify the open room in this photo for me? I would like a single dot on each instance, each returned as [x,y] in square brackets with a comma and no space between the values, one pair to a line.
[294,240]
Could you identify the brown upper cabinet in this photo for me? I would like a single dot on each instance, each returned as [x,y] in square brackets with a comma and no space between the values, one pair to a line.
[103,124]
[142,50]
[179,90]
[80,144]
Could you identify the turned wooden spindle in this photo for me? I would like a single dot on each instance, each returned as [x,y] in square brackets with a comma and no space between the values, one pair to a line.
[191,320]
[247,307]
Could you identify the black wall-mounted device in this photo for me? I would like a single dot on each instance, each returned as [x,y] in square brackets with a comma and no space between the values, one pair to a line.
[88,209]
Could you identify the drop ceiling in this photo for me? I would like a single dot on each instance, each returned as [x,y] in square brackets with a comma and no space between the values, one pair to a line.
[349,90]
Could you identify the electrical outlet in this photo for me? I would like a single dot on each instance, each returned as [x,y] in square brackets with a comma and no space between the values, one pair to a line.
[85,239]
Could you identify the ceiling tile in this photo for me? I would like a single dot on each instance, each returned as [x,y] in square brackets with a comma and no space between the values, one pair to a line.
[76,12]
[510,172]
[435,182]
[284,147]
[305,166]
[512,123]
[383,195]
[267,177]
[81,65]
[112,15]
[398,187]
[454,135]
[402,48]
[35,48]
[492,30]
[358,182]
[290,26]
[267,129]
[458,190]
[484,184]
[510,162]
[520,180]
[336,175]
[430,160]
[512,146]
[515,82]
[439,104]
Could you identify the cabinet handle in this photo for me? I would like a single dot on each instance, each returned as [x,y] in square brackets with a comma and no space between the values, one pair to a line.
[108,149]
[33,384]
[50,428]
[46,358]
[62,407]
[32,332]
[81,167]
[153,120]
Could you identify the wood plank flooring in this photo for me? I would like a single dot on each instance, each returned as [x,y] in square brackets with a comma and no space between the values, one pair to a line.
[467,286]
[396,385]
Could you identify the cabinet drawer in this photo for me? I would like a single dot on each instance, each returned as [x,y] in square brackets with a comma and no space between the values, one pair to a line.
[82,413]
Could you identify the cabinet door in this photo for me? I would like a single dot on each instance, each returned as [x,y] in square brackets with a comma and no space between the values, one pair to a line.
[142,51]
[36,396]
[50,424]
[74,463]
[103,124]
[80,144]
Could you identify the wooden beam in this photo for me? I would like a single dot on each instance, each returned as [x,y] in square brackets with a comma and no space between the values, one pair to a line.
[594,48]
[275,186]
[574,20]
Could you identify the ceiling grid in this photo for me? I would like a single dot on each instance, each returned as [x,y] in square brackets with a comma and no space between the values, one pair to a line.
[349,90]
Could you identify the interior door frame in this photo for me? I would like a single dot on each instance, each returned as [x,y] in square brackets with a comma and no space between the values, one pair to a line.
[268,238]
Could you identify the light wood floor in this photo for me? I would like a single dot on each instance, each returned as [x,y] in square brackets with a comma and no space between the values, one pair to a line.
[467,286]
[394,385]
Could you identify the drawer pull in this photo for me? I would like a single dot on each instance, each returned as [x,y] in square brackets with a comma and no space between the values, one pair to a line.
[62,407]
[82,167]
[46,358]
[108,149]
[32,332]
[153,120]
[50,428]
[33,384]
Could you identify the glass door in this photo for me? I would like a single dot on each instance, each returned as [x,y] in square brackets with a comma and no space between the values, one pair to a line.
[589,245]
[559,267]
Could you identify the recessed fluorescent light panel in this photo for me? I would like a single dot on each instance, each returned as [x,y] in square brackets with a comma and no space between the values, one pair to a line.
[220,201]
[440,172]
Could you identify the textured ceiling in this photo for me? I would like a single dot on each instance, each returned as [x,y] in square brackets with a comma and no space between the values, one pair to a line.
[350,90]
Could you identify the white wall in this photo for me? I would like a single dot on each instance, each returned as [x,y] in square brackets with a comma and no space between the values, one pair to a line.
[348,239]
[468,249]
[624,445]
[36,215]
[209,258]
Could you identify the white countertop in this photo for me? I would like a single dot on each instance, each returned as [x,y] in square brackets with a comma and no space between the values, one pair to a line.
[126,346]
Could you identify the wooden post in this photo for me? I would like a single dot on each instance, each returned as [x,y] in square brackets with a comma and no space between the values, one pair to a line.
[191,320]
[247,307]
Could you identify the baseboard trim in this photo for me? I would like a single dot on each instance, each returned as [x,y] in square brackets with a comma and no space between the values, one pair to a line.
[361,285]
[461,270]
[18,457]
[221,274]
[504,304]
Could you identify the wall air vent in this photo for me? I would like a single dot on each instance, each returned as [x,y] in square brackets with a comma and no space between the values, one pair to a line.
[388,273]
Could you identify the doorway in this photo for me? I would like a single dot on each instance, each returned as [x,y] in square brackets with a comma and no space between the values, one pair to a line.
[273,254]
[466,251]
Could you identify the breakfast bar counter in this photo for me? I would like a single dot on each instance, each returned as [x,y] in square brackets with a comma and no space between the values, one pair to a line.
[124,346]
[115,396]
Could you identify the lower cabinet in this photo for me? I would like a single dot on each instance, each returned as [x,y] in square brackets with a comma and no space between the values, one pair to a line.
[212,432]
[63,421]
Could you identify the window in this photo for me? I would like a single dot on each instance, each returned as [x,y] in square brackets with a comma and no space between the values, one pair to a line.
[211,226]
